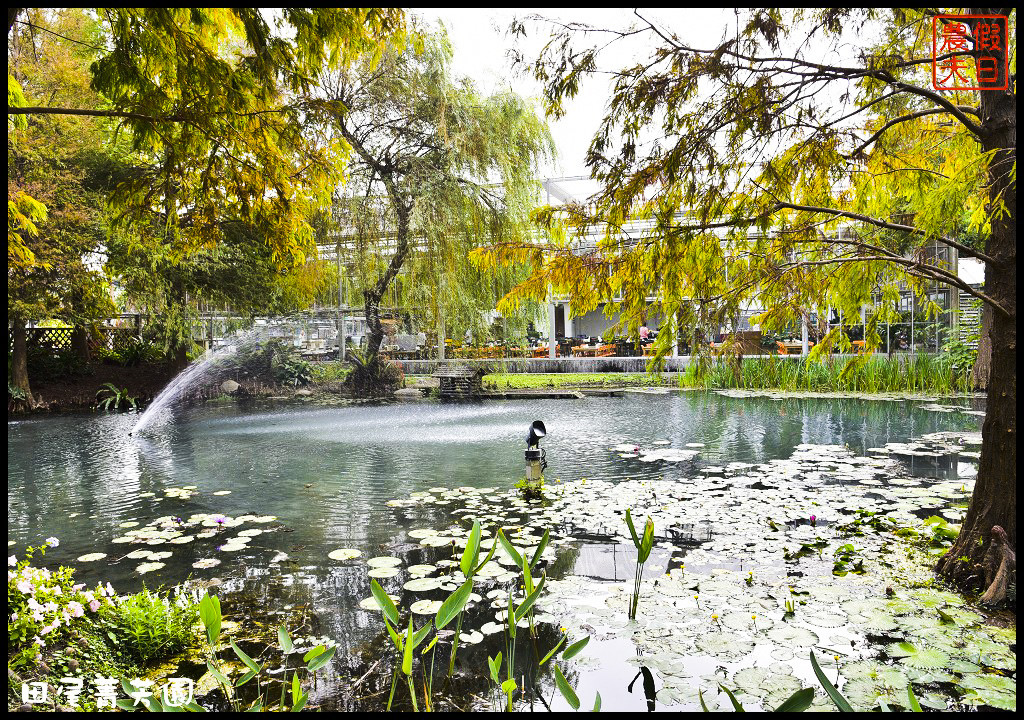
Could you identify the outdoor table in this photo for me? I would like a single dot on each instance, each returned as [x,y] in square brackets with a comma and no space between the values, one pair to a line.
[585,351]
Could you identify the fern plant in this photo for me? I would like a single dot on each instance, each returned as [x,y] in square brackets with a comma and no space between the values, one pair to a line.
[115,399]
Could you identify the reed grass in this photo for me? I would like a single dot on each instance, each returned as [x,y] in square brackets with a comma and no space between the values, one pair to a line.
[912,373]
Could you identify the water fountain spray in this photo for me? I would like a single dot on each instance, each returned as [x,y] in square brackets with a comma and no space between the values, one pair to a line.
[198,373]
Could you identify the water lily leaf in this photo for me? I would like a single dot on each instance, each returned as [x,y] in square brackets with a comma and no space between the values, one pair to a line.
[343,554]
[383,572]
[788,635]
[926,658]
[471,638]
[722,645]
[992,690]
[91,557]
[425,607]
[436,541]
[384,561]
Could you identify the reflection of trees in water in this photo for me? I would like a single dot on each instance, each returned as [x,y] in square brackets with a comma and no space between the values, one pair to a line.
[759,428]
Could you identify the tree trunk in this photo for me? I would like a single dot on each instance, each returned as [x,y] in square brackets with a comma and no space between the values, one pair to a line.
[371,376]
[994,502]
[80,343]
[179,356]
[19,367]
[983,363]
[375,336]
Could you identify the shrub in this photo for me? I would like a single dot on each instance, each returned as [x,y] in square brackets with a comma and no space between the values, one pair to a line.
[44,605]
[138,352]
[269,361]
[46,364]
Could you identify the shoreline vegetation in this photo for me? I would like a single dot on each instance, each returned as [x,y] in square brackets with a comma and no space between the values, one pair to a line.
[913,375]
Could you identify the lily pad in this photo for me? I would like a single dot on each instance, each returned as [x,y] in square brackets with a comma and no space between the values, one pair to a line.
[789,635]
[383,572]
[91,557]
[343,554]
[423,584]
[384,561]
[425,607]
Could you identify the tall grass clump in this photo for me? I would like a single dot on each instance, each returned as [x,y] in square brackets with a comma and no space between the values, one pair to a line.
[150,626]
[911,373]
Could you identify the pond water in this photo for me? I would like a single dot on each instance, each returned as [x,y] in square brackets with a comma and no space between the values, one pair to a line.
[306,480]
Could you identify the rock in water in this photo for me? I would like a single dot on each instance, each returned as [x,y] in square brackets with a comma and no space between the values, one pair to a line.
[229,387]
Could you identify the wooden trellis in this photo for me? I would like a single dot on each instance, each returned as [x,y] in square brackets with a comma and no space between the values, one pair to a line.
[58,340]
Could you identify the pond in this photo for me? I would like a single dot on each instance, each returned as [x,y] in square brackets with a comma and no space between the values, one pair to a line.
[259,498]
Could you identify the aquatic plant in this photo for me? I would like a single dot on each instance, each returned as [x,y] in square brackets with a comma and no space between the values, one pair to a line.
[643,551]
[452,609]
[469,566]
[531,489]
[943,535]
[803,698]
[844,562]
[291,696]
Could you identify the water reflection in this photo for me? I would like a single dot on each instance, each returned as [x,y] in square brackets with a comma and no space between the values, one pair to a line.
[326,472]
